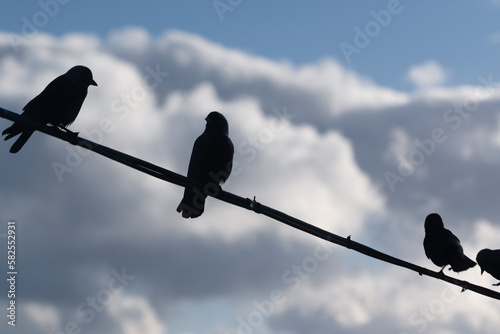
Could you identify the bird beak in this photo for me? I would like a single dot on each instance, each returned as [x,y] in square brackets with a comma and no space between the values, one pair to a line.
[93,83]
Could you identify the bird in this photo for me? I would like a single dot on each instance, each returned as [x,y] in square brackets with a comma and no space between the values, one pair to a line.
[489,261]
[210,165]
[58,104]
[443,247]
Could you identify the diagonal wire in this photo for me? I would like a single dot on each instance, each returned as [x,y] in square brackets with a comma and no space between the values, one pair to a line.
[246,203]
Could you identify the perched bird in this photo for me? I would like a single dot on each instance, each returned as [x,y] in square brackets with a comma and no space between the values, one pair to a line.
[489,261]
[210,165]
[443,247]
[58,104]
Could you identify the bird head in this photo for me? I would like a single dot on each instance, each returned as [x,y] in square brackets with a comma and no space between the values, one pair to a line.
[433,222]
[217,122]
[82,75]
[482,258]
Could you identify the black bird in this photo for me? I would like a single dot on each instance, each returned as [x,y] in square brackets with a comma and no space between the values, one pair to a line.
[58,104]
[210,165]
[489,261]
[443,247]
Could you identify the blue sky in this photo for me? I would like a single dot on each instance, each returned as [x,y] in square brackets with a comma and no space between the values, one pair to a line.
[457,35]
[315,136]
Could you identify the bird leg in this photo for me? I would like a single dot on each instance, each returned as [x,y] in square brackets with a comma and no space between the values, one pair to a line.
[63,129]
[67,130]
[74,135]
[217,191]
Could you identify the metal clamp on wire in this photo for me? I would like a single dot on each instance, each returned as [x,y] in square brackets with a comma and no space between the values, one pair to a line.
[349,242]
[254,205]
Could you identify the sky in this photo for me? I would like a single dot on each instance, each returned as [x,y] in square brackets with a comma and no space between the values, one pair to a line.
[358,117]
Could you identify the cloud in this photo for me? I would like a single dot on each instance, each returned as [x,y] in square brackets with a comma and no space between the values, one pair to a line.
[494,38]
[429,73]
[136,316]
[45,317]
[313,141]
[328,88]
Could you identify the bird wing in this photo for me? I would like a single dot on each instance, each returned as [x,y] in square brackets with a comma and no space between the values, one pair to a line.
[451,245]
[427,247]
[199,154]
[437,246]
[451,238]
[211,153]
[222,161]
[58,92]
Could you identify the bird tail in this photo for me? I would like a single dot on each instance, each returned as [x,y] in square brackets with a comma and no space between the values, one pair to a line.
[19,143]
[462,264]
[192,204]
[12,131]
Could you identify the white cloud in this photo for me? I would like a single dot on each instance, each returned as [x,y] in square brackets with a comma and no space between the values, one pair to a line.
[427,74]
[44,316]
[331,89]
[136,316]
[494,38]
[399,146]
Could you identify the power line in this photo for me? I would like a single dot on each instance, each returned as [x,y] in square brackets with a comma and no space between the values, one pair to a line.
[246,203]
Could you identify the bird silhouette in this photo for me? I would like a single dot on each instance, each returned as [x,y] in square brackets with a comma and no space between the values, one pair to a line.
[210,165]
[58,104]
[489,261]
[443,247]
